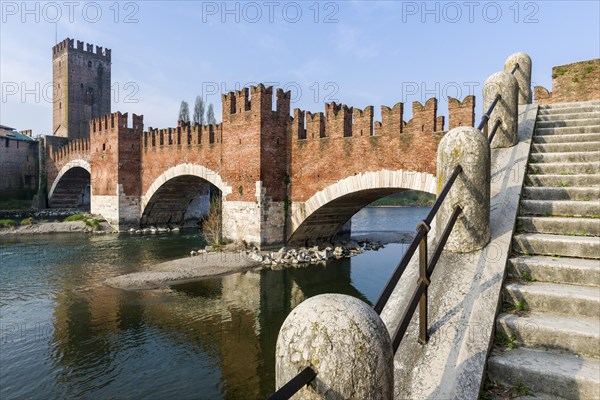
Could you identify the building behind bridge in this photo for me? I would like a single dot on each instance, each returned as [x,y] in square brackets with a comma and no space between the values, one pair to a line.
[18,164]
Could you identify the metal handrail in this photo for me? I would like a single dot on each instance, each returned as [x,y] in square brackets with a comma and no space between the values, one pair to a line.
[494,129]
[294,385]
[419,296]
[421,290]
[422,229]
[485,117]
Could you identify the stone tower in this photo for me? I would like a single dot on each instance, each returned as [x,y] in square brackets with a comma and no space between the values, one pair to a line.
[81,89]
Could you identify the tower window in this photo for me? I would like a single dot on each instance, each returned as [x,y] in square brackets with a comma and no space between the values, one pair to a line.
[81,85]
[60,105]
[89,64]
[7,142]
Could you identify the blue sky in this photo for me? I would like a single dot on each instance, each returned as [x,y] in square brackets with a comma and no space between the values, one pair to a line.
[356,52]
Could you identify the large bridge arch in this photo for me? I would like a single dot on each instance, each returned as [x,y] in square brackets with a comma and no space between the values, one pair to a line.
[324,213]
[71,187]
[179,187]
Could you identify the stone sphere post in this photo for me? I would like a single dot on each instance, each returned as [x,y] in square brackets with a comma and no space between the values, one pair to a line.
[506,110]
[522,74]
[344,341]
[467,147]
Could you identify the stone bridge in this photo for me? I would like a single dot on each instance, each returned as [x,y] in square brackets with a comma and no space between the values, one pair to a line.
[280,178]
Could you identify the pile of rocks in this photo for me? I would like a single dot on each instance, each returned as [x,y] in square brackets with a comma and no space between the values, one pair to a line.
[313,255]
[153,230]
[41,214]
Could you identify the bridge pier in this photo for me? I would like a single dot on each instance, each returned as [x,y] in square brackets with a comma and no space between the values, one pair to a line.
[259,222]
[120,211]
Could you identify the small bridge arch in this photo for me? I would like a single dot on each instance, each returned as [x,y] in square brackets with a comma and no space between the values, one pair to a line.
[72,186]
[324,213]
[170,196]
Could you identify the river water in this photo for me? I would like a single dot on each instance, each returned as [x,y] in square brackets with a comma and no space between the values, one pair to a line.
[63,334]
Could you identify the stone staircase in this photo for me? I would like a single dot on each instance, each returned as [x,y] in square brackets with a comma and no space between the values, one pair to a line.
[548,336]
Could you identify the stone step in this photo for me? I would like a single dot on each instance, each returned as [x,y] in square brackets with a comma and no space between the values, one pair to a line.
[564,168]
[561,299]
[569,110]
[574,271]
[559,225]
[579,156]
[550,331]
[560,116]
[572,138]
[570,105]
[557,245]
[566,123]
[561,193]
[539,131]
[563,180]
[548,374]
[564,147]
[561,208]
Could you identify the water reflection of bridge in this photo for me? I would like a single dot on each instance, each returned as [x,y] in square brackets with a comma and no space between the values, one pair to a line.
[233,320]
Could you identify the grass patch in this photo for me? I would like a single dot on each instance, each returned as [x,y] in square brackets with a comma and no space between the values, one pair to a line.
[560,71]
[519,308]
[75,217]
[521,389]
[526,276]
[408,198]
[504,340]
[7,223]
[28,221]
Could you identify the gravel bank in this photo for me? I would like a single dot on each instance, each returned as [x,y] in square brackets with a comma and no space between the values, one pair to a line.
[203,266]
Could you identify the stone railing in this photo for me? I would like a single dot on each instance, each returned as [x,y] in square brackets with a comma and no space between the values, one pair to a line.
[334,346]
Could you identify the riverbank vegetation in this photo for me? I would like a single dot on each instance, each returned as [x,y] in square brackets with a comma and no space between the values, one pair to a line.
[408,198]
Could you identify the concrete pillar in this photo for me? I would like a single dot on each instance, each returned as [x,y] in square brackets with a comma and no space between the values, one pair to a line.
[467,147]
[522,74]
[506,110]
[344,341]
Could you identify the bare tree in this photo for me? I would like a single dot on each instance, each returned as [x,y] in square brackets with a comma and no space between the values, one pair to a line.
[211,226]
[184,112]
[199,111]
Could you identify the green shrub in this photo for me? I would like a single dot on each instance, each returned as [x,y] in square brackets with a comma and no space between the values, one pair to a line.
[7,223]
[28,221]
[75,217]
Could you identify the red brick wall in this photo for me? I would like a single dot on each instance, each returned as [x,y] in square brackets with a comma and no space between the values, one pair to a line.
[317,162]
[59,151]
[579,81]
[115,154]
[461,113]
[184,144]
[256,143]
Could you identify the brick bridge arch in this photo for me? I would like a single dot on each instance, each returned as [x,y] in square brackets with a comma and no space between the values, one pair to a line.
[280,175]
[69,187]
[324,213]
[178,188]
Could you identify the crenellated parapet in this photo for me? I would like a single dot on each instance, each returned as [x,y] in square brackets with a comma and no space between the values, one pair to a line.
[185,134]
[69,45]
[77,148]
[424,118]
[391,120]
[461,113]
[363,122]
[254,101]
[338,120]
